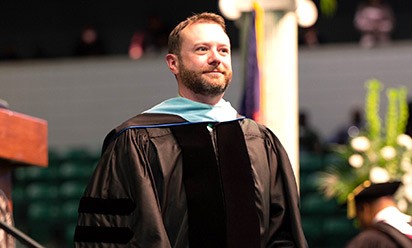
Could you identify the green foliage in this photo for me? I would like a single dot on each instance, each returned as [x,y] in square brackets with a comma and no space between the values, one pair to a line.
[372,103]
[376,154]
[328,7]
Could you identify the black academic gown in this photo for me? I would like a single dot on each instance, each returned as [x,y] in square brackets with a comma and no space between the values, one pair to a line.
[380,235]
[147,190]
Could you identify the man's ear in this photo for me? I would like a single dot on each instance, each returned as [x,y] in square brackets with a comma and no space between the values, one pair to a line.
[173,63]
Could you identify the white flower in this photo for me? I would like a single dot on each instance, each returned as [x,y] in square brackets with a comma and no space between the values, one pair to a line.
[407,179]
[408,192]
[402,204]
[404,140]
[356,160]
[360,144]
[379,175]
[388,152]
[406,164]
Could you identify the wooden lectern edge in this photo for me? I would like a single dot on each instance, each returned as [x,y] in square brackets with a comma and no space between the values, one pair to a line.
[29,135]
[18,164]
[23,142]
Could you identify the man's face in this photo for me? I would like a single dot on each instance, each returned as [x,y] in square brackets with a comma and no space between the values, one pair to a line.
[204,63]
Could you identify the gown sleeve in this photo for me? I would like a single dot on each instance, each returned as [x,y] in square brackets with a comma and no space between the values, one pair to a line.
[120,206]
[285,227]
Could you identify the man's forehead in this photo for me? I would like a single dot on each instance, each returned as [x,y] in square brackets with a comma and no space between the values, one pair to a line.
[203,32]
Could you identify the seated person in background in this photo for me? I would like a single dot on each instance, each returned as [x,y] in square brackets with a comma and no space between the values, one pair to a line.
[309,140]
[384,225]
[350,130]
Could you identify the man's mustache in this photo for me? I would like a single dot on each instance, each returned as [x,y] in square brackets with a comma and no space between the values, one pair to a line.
[215,69]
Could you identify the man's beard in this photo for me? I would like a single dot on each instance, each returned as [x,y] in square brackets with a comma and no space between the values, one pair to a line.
[206,86]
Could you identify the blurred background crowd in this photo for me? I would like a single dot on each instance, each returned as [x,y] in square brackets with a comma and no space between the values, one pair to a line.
[51,30]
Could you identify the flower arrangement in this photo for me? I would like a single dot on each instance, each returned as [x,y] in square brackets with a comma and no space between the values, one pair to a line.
[377,154]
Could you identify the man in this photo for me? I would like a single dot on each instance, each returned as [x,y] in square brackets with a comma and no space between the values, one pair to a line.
[384,225]
[191,172]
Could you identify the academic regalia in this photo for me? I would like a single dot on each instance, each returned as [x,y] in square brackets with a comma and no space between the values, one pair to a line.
[385,232]
[165,182]
[380,235]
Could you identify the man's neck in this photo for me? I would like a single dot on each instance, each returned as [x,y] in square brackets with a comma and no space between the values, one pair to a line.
[382,203]
[211,100]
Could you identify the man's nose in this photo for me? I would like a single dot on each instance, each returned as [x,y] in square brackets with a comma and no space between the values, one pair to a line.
[214,57]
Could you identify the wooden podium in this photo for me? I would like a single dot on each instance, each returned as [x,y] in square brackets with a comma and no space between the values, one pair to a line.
[23,142]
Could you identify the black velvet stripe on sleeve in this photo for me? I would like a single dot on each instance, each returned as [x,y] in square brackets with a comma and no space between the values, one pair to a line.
[93,205]
[99,234]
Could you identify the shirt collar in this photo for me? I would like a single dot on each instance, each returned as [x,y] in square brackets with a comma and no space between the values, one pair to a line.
[195,111]
[395,218]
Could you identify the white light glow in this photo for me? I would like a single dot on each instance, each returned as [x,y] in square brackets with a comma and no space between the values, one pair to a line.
[306,13]
[229,9]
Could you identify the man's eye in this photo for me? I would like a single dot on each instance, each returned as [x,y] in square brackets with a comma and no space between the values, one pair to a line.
[224,50]
[202,49]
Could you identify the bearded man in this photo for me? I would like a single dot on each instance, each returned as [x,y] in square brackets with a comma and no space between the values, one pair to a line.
[192,172]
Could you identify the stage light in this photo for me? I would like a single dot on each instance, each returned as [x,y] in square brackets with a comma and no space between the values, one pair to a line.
[306,13]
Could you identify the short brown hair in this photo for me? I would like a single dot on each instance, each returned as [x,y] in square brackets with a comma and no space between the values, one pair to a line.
[174,41]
